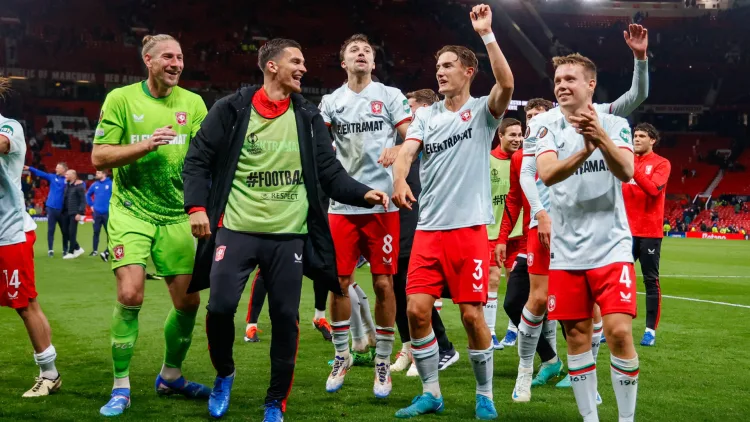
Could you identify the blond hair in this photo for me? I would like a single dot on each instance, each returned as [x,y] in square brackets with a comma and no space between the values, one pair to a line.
[150,41]
[576,59]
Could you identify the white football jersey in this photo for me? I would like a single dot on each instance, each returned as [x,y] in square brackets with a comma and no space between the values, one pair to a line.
[363,125]
[14,220]
[589,225]
[455,166]
[536,192]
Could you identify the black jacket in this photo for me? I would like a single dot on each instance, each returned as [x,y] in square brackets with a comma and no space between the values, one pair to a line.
[211,164]
[74,199]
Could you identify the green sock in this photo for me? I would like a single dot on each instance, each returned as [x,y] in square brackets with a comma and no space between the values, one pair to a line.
[178,333]
[124,333]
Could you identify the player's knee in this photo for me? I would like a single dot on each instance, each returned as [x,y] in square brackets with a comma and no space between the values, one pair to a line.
[189,303]
[419,314]
[382,284]
[538,301]
[619,336]
[130,296]
[472,316]
[344,283]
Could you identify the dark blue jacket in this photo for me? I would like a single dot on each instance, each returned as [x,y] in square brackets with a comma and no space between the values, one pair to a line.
[101,191]
[56,188]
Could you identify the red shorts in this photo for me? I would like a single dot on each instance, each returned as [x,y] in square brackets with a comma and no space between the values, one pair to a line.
[453,258]
[17,283]
[537,257]
[572,293]
[512,249]
[374,236]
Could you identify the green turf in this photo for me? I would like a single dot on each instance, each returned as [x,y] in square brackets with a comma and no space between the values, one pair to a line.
[697,372]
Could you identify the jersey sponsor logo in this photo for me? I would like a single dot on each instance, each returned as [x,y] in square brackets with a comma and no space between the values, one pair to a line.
[466,115]
[137,118]
[119,252]
[274,178]
[376,107]
[220,251]
[625,135]
[280,196]
[340,110]
[551,303]
[436,147]
[181,117]
[177,140]
[369,126]
[297,258]
[592,166]
[6,130]
[254,145]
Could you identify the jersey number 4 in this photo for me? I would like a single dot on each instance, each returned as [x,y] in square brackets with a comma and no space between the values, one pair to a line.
[12,281]
[625,279]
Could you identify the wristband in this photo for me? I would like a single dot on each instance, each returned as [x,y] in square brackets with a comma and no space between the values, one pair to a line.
[488,38]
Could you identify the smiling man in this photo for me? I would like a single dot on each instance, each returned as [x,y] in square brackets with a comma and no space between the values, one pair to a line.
[143,134]
[253,180]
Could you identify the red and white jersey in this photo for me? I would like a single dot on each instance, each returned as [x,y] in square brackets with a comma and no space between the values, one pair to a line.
[589,224]
[14,220]
[363,125]
[455,165]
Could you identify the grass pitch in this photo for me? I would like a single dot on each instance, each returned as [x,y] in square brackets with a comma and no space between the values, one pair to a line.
[698,370]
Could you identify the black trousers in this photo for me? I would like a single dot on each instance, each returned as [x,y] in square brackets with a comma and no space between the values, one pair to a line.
[100,220]
[258,296]
[402,320]
[516,297]
[280,262]
[648,251]
[55,217]
[69,221]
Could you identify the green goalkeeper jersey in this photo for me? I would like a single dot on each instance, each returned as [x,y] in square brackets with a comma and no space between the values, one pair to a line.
[150,188]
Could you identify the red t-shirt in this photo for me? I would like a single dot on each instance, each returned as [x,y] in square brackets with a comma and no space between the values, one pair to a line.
[644,195]
[513,204]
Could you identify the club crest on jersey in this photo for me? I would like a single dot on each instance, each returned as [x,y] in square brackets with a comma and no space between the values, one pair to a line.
[119,252]
[181,118]
[649,168]
[466,115]
[542,132]
[530,259]
[220,253]
[377,107]
[551,303]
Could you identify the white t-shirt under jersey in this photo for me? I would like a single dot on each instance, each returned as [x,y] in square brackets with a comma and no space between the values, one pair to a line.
[14,220]
[589,225]
[363,125]
[455,165]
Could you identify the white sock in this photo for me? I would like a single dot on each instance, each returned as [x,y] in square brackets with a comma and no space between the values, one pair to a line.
[582,373]
[357,329]
[170,374]
[490,310]
[529,331]
[251,325]
[596,339]
[385,336]
[406,347]
[624,374]
[512,326]
[122,383]
[439,305]
[320,314]
[426,358]
[549,331]
[46,363]
[341,337]
[482,363]
[653,332]
[364,310]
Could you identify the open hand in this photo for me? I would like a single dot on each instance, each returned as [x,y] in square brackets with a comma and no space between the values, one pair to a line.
[637,39]
[481,19]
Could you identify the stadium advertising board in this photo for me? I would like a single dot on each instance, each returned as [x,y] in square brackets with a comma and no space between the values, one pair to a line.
[716,236]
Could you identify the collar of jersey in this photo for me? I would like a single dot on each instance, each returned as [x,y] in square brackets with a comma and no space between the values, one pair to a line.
[267,107]
[500,154]
[144,86]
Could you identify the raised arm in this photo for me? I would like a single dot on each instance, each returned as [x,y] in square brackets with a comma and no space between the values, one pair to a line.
[637,39]
[38,173]
[502,91]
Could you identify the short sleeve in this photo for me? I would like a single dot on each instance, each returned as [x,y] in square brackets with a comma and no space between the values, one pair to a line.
[200,114]
[492,121]
[398,107]
[416,128]
[540,135]
[325,109]
[14,132]
[111,124]
[620,133]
